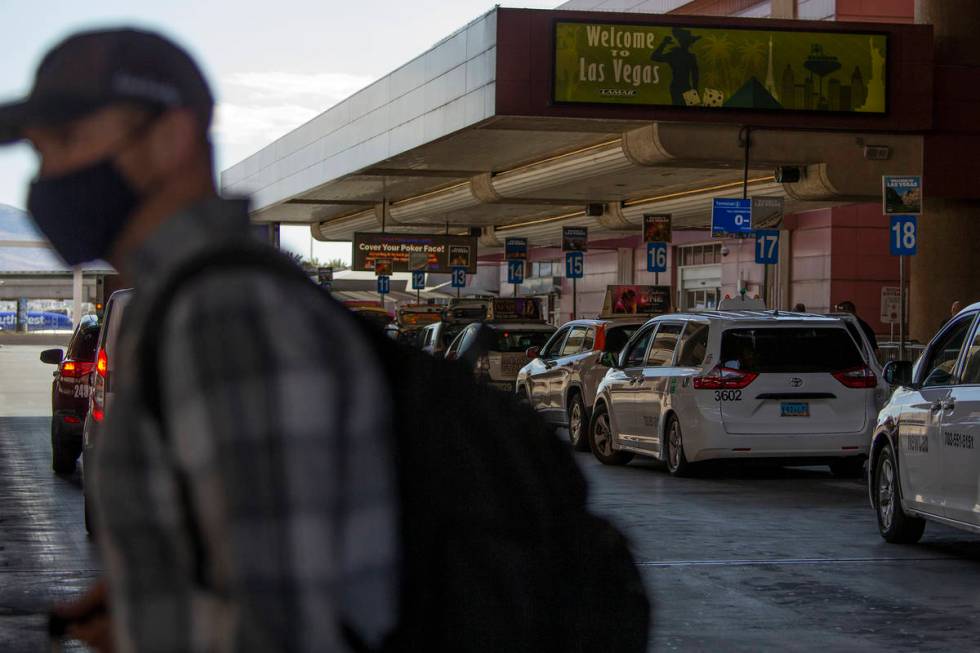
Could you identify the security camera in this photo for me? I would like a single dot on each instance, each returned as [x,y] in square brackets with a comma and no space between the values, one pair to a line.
[724,250]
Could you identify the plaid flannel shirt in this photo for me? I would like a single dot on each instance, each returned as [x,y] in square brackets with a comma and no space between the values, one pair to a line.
[276,419]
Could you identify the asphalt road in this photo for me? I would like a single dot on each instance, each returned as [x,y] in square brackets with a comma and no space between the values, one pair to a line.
[741,559]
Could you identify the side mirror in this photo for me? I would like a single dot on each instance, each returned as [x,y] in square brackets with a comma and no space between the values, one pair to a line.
[52,356]
[532,353]
[898,373]
[609,359]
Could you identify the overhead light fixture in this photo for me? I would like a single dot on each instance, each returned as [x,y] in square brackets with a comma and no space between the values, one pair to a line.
[696,191]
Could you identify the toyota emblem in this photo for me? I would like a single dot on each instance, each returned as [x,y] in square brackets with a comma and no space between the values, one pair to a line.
[796,382]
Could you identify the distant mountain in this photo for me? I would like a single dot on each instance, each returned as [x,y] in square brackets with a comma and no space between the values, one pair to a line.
[17,225]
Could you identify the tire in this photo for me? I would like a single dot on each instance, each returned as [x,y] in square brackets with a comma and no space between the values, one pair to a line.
[675,458]
[600,439]
[848,467]
[578,422]
[523,397]
[63,456]
[894,525]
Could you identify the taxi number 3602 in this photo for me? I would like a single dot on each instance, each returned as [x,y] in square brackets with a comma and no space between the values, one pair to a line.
[728,395]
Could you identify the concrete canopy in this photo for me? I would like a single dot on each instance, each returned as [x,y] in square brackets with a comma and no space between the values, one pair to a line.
[467,136]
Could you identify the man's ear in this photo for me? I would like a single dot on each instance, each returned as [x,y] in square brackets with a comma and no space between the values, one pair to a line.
[175,141]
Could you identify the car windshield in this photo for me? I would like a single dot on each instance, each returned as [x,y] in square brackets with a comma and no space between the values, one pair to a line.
[449,333]
[519,341]
[789,349]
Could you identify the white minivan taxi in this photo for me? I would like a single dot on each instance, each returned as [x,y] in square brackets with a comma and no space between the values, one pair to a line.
[702,386]
[924,463]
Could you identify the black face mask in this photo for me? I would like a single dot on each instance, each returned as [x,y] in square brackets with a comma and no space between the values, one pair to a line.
[83,212]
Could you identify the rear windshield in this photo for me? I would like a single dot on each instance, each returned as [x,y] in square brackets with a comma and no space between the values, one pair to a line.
[617,337]
[510,341]
[449,333]
[379,320]
[82,346]
[794,349]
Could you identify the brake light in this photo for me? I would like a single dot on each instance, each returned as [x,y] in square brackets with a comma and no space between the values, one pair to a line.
[102,364]
[98,414]
[75,369]
[600,338]
[861,377]
[724,378]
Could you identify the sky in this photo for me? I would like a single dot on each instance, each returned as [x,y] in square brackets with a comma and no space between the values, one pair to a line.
[272,65]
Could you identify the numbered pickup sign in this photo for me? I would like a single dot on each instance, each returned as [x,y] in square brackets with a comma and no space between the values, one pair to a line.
[656,257]
[384,285]
[904,235]
[515,272]
[767,246]
[459,277]
[418,280]
[731,216]
[574,265]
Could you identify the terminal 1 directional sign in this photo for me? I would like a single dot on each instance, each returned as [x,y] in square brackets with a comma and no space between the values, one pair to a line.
[731,215]
[418,280]
[656,257]
[384,285]
[767,246]
[515,272]
[459,277]
[574,265]
[904,235]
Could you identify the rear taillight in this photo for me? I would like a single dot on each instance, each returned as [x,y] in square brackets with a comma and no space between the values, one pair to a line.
[861,377]
[75,369]
[724,378]
[483,364]
[102,364]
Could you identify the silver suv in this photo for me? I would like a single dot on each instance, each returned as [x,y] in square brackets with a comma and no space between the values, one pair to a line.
[560,381]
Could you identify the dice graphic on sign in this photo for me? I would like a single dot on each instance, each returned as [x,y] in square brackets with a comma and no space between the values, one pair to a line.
[713,98]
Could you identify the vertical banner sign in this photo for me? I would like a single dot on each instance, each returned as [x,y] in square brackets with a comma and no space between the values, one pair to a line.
[574,239]
[574,265]
[459,277]
[901,195]
[515,272]
[656,228]
[767,211]
[384,285]
[731,216]
[324,277]
[891,304]
[515,249]
[904,235]
[418,280]
[656,257]
[767,246]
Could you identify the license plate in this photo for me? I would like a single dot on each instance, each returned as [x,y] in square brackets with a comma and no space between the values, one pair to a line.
[511,365]
[795,409]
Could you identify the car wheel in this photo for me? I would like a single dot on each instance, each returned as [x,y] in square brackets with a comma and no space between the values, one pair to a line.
[63,456]
[578,423]
[523,397]
[848,467]
[894,525]
[677,463]
[601,438]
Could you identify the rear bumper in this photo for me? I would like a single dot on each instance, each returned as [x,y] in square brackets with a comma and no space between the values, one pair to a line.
[70,425]
[714,444]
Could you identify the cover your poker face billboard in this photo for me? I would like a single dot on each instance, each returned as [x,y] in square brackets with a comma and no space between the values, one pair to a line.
[442,251]
[719,68]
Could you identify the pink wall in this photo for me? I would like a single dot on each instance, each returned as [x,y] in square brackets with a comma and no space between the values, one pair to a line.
[810,236]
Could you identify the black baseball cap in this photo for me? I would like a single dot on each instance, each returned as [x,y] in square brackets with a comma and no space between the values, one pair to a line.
[91,70]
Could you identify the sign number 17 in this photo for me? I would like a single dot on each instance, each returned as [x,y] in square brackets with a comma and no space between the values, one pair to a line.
[767,246]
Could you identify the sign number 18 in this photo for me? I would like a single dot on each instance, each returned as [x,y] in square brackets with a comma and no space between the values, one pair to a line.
[904,235]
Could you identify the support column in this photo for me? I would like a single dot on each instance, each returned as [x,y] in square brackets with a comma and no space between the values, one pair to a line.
[76,297]
[946,267]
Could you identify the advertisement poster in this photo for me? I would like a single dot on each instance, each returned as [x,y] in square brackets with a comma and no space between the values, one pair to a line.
[656,228]
[382,268]
[718,68]
[519,308]
[767,212]
[574,239]
[405,249]
[515,249]
[459,256]
[891,304]
[902,195]
[636,300]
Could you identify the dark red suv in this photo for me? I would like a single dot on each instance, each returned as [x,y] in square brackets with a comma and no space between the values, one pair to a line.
[70,393]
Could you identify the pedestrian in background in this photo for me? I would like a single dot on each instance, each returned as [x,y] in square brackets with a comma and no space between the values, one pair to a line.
[800,308]
[847,306]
